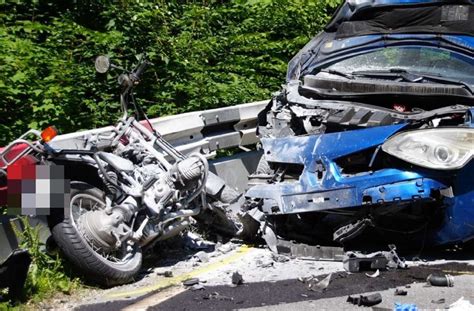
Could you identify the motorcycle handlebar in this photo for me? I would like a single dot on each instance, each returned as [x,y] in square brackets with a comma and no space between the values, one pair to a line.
[141,68]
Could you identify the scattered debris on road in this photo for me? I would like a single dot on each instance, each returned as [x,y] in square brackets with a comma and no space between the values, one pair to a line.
[280,258]
[197,287]
[217,296]
[366,301]
[461,305]
[194,241]
[237,279]
[440,280]
[202,256]
[310,252]
[374,275]
[226,248]
[438,301]
[401,292]
[356,261]
[321,286]
[166,274]
[191,282]
[405,307]
[264,264]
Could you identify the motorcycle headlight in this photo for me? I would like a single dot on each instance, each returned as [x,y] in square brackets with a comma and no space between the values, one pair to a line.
[441,148]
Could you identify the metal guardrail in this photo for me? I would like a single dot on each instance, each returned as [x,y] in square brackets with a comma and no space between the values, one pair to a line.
[200,131]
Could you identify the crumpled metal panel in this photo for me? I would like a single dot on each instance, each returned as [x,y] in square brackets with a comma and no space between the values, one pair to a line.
[304,149]
[335,190]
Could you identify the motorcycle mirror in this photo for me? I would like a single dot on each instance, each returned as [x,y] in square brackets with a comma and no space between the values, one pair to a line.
[102,64]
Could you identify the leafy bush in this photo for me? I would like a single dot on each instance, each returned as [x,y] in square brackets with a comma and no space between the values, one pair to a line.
[206,54]
[47,274]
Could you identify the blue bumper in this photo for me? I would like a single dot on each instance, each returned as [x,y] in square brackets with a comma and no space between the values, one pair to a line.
[323,186]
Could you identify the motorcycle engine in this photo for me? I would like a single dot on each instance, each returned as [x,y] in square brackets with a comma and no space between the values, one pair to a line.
[166,193]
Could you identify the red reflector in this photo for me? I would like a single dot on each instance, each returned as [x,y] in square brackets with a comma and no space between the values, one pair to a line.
[49,133]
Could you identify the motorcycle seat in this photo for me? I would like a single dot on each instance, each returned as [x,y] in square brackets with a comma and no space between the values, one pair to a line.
[117,162]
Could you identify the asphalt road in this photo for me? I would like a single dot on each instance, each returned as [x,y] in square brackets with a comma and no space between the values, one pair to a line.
[274,285]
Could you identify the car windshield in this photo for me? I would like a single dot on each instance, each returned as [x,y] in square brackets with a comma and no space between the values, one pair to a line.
[427,60]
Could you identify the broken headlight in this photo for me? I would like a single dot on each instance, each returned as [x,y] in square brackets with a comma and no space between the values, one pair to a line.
[443,148]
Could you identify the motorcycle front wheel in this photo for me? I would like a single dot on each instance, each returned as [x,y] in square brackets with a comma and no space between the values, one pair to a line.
[105,268]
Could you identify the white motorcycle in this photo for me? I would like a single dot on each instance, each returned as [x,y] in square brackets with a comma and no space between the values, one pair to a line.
[130,189]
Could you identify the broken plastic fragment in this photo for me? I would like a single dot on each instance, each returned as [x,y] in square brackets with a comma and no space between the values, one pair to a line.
[237,278]
[439,301]
[462,305]
[374,275]
[191,282]
[320,286]
[400,292]
[367,301]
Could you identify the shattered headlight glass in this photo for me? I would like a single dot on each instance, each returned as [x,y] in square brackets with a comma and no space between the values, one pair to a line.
[441,148]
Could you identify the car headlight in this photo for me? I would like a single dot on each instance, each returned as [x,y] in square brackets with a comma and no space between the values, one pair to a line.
[440,148]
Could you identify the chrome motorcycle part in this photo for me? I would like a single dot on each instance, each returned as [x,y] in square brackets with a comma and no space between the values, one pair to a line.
[106,232]
[107,229]
[102,64]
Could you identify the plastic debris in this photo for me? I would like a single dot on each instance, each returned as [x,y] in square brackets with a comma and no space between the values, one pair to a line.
[405,307]
[445,280]
[366,301]
[356,261]
[314,285]
[400,292]
[309,252]
[194,241]
[270,238]
[226,248]
[191,282]
[196,287]
[217,296]
[202,256]
[374,275]
[280,258]
[395,262]
[166,274]
[307,279]
[439,301]
[264,264]
[462,305]
[237,278]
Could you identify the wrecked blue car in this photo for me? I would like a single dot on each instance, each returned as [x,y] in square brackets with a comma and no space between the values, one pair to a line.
[372,136]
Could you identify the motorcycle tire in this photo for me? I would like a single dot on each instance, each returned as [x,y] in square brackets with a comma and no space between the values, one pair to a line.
[80,253]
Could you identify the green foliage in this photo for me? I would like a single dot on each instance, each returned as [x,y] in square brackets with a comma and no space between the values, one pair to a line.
[206,54]
[47,274]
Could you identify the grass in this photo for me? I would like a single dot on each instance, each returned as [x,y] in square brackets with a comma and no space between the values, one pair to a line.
[48,275]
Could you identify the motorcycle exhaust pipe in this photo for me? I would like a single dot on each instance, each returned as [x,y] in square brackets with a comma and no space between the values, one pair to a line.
[173,230]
